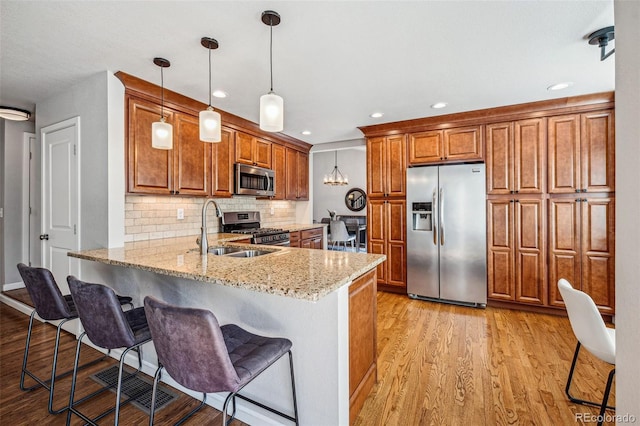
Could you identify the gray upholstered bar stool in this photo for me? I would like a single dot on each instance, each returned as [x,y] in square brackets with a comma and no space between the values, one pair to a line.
[50,305]
[205,357]
[109,327]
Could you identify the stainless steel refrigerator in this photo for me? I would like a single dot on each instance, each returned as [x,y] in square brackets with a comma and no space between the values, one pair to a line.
[446,234]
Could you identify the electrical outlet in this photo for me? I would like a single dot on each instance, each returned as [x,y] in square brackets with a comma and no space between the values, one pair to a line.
[273,211]
[180,260]
[180,214]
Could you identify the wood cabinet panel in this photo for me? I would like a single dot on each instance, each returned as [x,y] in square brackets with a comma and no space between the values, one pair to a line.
[262,156]
[499,157]
[425,147]
[376,170]
[597,152]
[192,158]
[396,166]
[297,181]
[465,143]
[303,176]
[223,164]
[253,151]
[530,141]
[386,166]
[149,169]
[312,238]
[564,154]
[279,164]
[386,233]
[564,245]
[500,225]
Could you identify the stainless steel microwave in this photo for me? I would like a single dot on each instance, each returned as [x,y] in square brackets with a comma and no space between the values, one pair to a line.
[252,180]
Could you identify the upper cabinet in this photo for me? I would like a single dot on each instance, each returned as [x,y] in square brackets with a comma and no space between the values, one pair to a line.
[297,175]
[194,167]
[581,153]
[279,166]
[450,145]
[515,157]
[182,170]
[252,150]
[386,166]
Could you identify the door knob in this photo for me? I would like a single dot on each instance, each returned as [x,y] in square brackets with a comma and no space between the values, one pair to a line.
[44,236]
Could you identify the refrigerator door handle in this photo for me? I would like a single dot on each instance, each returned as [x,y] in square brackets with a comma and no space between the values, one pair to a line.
[433,218]
[441,216]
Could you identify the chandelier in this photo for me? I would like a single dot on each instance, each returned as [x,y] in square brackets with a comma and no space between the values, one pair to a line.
[336,177]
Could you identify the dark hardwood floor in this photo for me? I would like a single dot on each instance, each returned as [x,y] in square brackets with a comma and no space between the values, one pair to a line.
[437,364]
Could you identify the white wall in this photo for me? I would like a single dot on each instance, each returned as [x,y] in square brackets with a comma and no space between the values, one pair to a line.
[351,162]
[12,187]
[627,23]
[99,101]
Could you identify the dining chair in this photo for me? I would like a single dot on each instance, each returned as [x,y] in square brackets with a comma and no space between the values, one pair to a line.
[592,333]
[339,235]
[205,357]
[50,305]
[108,327]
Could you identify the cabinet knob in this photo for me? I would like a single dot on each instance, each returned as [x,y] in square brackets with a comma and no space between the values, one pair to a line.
[577,190]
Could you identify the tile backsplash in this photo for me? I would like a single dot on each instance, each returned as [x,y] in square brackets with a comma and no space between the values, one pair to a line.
[149,217]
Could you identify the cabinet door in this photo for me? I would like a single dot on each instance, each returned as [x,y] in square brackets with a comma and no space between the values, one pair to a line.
[425,147]
[222,161]
[291,188]
[499,158]
[530,142]
[396,242]
[376,234]
[597,152]
[303,176]
[396,165]
[149,170]
[376,170]
[529,251]
[563,163]
[244,148]
[564,245]
[262,153]
[500,240]
[192,158]
[464,143]
[279,164]
[598,234]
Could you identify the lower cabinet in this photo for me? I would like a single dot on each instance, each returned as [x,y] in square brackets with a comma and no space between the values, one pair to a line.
[307,238]
[582,234]
[386,234]
[516,255]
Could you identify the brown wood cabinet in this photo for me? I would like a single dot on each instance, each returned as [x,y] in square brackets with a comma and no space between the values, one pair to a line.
[279,166]
[252,150]
[183,170]
[450,145]
[386,166]
[516,250]
[386,234]
[582,243]
[581,153]
[297,175]
[307,238]
[222,164]
[515,157]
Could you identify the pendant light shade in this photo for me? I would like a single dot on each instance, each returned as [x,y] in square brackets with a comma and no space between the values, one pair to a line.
[210,127]
[271,112]
[271,105]
[161,131]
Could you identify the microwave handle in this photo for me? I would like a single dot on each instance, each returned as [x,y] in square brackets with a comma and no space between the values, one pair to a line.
[268,182]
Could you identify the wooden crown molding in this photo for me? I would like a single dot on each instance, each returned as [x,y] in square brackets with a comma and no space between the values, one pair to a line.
[546,108]
[143,89]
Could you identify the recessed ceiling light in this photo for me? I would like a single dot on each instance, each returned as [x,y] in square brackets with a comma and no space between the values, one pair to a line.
[376,115]
[219,94]
[439,105]
[306,132]
[560,86]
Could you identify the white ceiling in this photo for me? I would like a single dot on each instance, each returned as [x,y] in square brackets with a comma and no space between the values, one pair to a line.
[334,62]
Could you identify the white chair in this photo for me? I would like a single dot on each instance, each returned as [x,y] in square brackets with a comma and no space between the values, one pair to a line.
[589,328]
[340,235]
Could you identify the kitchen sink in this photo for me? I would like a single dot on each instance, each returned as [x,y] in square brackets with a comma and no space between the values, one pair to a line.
[250,253]
[220,251]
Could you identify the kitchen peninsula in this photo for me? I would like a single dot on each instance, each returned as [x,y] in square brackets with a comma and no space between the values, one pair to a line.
[323,301]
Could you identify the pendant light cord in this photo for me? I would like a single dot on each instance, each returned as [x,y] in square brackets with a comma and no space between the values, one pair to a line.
[271,50]
[209,75]
[162,92]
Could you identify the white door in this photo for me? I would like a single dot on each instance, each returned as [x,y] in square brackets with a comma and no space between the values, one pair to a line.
[29,141]
[60,198]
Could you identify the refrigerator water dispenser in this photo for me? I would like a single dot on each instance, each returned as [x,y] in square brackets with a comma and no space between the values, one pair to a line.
[422,216]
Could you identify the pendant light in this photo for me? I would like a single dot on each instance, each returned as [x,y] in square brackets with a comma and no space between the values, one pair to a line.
[336,178]
[271,105]
[14,114]
[161,131]
[209,119]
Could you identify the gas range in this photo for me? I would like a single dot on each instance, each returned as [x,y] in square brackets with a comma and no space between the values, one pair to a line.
[248,223]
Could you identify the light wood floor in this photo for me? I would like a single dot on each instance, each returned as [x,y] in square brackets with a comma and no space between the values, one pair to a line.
[437,364]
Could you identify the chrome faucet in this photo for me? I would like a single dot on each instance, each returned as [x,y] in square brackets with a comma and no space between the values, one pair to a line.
[204,244]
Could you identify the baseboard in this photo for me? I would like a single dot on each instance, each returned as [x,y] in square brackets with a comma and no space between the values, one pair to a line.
[12,286]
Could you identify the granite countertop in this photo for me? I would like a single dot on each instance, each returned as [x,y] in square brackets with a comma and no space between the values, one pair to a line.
[292,272]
